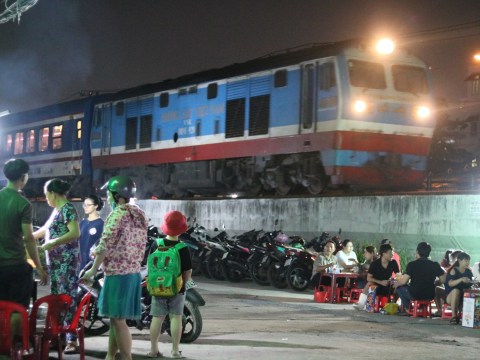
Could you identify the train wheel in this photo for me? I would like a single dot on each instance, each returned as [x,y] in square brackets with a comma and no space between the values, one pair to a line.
[316,186]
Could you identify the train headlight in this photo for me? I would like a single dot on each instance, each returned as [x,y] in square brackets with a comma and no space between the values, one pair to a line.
[360,106]
[385,46]
[422,112]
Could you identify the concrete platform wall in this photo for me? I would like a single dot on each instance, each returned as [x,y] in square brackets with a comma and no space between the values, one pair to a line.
[446,221]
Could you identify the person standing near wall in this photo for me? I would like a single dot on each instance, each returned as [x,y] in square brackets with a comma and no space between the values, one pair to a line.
[16,275]
[90,228]
[61,233]
[121,249]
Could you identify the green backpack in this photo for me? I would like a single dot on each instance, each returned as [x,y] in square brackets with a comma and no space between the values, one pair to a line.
[164,270]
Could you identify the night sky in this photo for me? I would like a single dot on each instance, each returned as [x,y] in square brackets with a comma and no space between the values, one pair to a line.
[63,46]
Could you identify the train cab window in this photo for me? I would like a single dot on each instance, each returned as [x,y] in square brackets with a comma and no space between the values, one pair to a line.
[410,79]
[18,147]
[212,91]
[280,79]
[164,97]
[366,74]
[192,89]
[30,145]
[79,129]
[43,138]
[145,131]
[57,132]
[326,76]
[182,91]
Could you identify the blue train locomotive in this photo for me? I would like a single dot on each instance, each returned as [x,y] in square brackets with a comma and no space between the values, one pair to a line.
[331,115]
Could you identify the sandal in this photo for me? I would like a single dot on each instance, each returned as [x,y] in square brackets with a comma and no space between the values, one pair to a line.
[454,321]
[155,356]
[177,355]
[71,348]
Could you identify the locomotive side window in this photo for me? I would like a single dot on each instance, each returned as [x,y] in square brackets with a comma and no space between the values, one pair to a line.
[259,116]
[366,74]
[131,134]
[164,97]
[280,78]
[57,137]
[410,79]
[44,136]
[18,148]
[235,118]
[30,148]
[326,76]
[145,131]
[212,91]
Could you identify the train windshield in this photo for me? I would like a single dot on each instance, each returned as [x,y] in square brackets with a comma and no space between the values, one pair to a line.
[410,79]
[366,74]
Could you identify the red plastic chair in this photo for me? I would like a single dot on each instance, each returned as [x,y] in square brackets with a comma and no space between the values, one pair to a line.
[58,306]
[76,326]
[8,343]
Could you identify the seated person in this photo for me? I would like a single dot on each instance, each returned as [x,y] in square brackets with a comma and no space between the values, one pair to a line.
[323,263]
[459,278]
[380,274]
[395,255]
[449,258]
[421,273]
[347,258]
[369,254]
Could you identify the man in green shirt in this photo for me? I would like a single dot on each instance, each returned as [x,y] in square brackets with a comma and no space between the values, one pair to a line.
[16,234]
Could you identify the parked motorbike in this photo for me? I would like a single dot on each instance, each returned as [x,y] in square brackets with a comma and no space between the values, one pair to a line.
[96,325]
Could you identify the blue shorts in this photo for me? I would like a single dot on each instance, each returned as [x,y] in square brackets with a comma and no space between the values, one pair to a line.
[164,306]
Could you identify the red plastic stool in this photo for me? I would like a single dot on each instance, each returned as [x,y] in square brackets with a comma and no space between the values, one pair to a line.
[321,294]
[355,295]
[342,294]
[380,302]
[420,308]
[447,312]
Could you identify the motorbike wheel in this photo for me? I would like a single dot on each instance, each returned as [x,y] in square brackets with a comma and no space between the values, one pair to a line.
[298,278]
[192,323]
[232,272]
[214,267]
[258,273]
[277,278]
[95,325]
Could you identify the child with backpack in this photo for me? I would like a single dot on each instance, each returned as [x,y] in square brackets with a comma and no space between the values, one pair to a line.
[169,269]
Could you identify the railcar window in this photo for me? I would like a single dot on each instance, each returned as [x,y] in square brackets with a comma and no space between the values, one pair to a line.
[409,79]
[366,74]
[30,148]
[8,144]
[18,148]
[182,91]
[164,97]
[280,78]
[212,91]
[327,76]
[192,89]
[44,136]
[131,134]
[79,129]
[57,132]
[146,131]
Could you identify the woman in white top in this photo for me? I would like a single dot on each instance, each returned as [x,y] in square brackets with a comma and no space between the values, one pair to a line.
[347,258]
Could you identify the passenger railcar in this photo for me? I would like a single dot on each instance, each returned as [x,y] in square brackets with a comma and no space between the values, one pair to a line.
[336,114]
[52,139]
